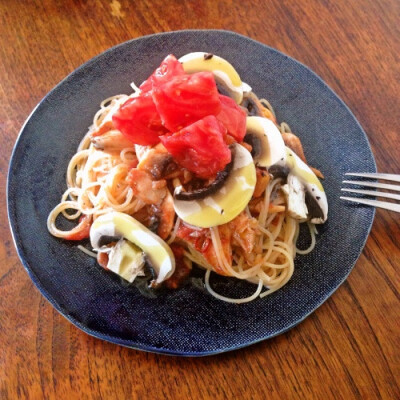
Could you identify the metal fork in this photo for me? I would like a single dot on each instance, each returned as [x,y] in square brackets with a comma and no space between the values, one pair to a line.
[382,204]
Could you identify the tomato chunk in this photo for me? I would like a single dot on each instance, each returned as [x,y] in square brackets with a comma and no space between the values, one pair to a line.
[232,117]
[168,68]
[139,121]
[200,147]
[185,99]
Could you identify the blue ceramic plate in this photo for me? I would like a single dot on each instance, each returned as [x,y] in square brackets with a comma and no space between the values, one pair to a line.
[188,321]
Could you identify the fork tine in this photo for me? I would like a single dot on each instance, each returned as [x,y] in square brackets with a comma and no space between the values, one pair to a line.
[389,177]
[373,193]
[374,184]
[375,203]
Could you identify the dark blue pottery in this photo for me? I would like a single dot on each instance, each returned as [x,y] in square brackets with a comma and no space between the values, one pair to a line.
[189,321]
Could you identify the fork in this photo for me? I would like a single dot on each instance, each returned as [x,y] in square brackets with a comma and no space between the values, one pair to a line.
[382,204]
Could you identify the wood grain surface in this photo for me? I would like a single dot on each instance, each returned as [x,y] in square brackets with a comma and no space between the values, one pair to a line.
[349,347]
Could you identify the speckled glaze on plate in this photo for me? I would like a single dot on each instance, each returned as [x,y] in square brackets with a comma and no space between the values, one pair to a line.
[189,321]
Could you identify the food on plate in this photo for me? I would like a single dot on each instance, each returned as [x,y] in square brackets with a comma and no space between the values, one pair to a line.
[125,230]
[191,170]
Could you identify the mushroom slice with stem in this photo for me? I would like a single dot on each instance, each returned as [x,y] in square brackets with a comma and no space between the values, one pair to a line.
[126,260]
[304,191]
[266,141]
[118,225]
[225,75]
[295,196]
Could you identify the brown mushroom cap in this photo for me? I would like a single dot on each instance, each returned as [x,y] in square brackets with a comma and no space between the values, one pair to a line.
[252,104]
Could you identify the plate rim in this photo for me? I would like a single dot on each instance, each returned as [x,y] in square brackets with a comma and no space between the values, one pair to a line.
[140,346]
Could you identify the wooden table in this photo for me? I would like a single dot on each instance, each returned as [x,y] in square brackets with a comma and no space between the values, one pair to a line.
[349,347]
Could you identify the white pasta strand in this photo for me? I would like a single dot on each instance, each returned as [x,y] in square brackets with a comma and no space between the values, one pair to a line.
[228,299]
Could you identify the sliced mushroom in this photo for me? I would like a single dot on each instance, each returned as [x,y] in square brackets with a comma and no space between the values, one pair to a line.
[230,200]
[126,260]
[279,171]
[224,73]
[295,198]
[252,104]
[313,197]
[293,142]
[267,144]
[122,226]
[315,210]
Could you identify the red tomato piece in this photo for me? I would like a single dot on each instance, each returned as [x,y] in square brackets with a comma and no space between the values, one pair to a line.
[139,121]
[232,117]
[200,147]
[186,99]
[169,67]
